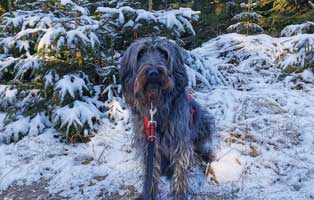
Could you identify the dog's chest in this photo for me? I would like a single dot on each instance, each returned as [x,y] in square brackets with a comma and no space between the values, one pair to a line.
[165,143]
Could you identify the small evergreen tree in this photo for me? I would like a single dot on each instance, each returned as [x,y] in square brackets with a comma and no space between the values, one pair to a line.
[281,13]
[246,21]
[58,62]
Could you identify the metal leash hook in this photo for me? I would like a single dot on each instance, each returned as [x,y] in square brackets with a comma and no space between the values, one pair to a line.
[152,123]
[152,112]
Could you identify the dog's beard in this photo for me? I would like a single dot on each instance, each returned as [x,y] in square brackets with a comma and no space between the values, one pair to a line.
[150,92]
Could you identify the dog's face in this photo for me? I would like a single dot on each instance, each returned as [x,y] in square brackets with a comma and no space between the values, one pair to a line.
[152,70]
[153,76]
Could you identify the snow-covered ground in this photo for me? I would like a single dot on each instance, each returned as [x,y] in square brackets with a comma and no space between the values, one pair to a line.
[264,139]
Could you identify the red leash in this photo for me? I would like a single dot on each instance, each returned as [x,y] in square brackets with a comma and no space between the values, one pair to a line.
[150,128]
[150,131]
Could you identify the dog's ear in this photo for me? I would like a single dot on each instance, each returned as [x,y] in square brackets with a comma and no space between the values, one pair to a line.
[176,64]
[128,68]
[129,63]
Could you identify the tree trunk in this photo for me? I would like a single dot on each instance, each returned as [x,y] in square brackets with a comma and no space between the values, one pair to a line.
[10,7]
[150,5]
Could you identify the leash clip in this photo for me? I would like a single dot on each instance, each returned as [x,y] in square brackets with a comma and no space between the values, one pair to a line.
[152,112]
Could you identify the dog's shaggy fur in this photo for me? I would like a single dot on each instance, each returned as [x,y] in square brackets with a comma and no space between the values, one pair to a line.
[153,72]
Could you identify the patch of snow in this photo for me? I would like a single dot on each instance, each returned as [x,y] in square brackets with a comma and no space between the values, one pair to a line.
[50,78]
[38,124]
[6,44]
[81,35]
[12,21]
[264,136]
[7,95]
[76,116]
[29,63]
[244,27]
[245,16]
[27,32]
[23,45]
[50,35]
[15,130]
[71,85]
[82,10]
[296,29]
[228,166]
[177,19]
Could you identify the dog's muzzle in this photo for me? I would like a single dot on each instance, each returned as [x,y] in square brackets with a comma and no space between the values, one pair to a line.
[151,81]
[153,84]
[153,74]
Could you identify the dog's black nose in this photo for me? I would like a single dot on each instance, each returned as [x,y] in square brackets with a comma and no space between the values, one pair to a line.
[153,74]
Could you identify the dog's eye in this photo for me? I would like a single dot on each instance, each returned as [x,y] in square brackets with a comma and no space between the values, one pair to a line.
[163,53]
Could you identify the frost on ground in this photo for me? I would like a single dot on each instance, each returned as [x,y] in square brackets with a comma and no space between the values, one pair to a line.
[264,138]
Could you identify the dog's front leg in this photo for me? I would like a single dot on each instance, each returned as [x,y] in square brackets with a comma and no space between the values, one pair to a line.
[181,173]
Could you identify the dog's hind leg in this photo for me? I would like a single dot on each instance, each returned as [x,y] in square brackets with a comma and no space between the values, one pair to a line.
[203,143]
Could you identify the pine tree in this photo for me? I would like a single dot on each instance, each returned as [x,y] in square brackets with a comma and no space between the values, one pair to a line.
[281,13]
[286,6]
[58,62]
[246,21]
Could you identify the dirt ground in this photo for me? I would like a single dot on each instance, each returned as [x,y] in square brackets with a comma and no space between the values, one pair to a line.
[38,191]
[35,191]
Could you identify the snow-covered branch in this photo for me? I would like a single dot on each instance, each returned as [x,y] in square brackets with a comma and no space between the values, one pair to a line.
[311,4]
[176,20]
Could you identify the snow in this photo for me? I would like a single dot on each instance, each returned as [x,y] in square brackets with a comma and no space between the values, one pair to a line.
[38,124]
[244,27]
[27,32]
[29,63]
[77,116]
[23,45]
[7,95]
[6,43]
[228,167]
[296,29]
[72,37]
[12,21]
[49,36]
[15,130]
[264,136]
[243,16]
[202,69]
[82,10]
[177,19]
[50,78]
[71,85]
[80,35]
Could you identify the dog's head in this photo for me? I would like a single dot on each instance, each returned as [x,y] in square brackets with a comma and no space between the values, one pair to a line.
[151,70]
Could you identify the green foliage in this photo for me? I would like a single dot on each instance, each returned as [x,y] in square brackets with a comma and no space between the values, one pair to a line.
[246,21]
[59,59]
[280,13]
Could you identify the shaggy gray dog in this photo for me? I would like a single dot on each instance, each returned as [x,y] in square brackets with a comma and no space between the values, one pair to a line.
[153,72]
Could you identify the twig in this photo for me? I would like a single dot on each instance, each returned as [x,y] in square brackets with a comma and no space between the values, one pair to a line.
[13,168]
